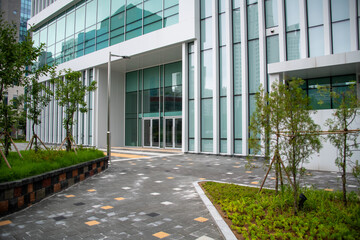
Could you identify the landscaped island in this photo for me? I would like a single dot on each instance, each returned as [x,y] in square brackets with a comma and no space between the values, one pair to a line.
[266,215]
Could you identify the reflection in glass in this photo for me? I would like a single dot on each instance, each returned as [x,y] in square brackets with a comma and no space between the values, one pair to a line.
[341,37]
[315,12]
[169,132]
[316,41]
[147,133]
[254,66]
[178,132]
[206,74]
[271,13]
[206,118]
[292,15]
[155,133]
[339,10]
[293,45]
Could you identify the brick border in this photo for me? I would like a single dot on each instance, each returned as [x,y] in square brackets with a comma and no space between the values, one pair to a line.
[20,194]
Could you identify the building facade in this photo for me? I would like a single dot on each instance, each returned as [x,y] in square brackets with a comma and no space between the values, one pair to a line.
[195,66]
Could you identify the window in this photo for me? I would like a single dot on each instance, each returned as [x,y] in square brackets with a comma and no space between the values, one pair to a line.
[292,29]
[315,28]
[340,23]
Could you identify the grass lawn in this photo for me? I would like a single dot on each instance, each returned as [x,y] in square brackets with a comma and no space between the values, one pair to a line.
[43,161]
[270,216]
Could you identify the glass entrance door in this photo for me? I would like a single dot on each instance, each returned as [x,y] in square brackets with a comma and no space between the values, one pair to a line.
[151,132]
[173,133]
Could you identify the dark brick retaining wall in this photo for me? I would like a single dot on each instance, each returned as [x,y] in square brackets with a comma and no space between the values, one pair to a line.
[20,194]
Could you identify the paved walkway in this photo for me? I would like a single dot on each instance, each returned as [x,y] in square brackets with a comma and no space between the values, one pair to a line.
[143,195]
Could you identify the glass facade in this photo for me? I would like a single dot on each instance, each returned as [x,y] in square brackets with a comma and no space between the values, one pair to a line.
[92,25]
[191,95]
[292,28]
[340,24]
[152,95]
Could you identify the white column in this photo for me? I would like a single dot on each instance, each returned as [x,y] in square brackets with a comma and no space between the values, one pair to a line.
[197,96]
[353,25]
[327,28]
[282,33]
[244,77]
[230,80]
[303,30]
[262,42]
[185,98]
[215,63]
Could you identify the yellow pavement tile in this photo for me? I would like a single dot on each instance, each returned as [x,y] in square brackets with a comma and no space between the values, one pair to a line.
[202,178]
[273,178]
[107,207]
[170,177]
[329,189]
[237,163]
[91,190]
[191,163]
[119,198]
[161,235]
[69,196]
[179,165]
[248,171]
[92,223]
[254,182]
[201,219]
[123,155]
[6,222]
[236,166]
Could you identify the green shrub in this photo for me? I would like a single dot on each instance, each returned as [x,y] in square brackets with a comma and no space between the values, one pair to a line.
[269,216]
[43,161]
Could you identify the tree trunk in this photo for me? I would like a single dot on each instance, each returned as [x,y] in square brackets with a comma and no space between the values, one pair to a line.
[343,176]
[68,142]
[6,129]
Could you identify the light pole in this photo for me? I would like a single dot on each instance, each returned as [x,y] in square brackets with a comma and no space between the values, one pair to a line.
[108,140]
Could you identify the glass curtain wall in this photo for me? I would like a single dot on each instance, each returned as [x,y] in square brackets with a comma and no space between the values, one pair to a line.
[92,25]
[207,81]
[153,93]
[237,71]
[191,97]
[315,27]
[292,28]
[340,24]
[222,76]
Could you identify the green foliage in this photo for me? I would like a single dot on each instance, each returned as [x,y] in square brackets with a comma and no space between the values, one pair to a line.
[70,93]
[270,216]
[15,57]
[43,161]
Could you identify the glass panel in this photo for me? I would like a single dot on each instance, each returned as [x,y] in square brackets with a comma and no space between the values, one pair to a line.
[178,133]
[206,118]
[237,117]
[293,45]
[236,3]
[271,13]
[223,146]
[153,26]
[252,105]
[238,146]
[43,36]
[341,37]
[222,68]
[155,133]
[315,12]
[222,30]
[90,13]
[170,3]
[90,40]
[222,6]
[206,9]
[206,74]
[254,66]
[173,74]
[171,11]
[253,26]
[206,34]
[151,78]
[130,137]
[151,101]
[147,133]
[236,26]
[133,2]
[117,6]
[339,10]
[171,20]
[316,41]
[251,1]
[173,99]
[169,132]
[191,145]
[131,81]
[134,33]
[223,118]
[134,14]
[343,80]
[70,24]
[206,145]
[80,19]
[237,69]
[292,15]
[51,34]
[152,6]
[60,29]
[191,119]
[272,49]
[316,97]
[103,10]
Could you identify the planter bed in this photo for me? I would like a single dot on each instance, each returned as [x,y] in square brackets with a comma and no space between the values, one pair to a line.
[20,194]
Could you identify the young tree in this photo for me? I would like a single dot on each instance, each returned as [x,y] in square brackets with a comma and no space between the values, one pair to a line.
[266,122]
[344,139]
[70,93]
[301,133]
[14,57]
[37,97]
